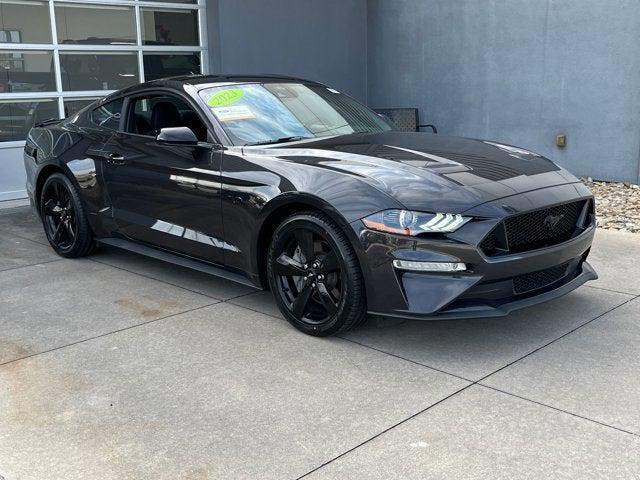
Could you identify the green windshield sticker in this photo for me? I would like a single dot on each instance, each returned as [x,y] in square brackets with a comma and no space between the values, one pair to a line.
[225,97]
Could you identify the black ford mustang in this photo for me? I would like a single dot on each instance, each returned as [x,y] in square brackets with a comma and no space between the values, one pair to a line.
[287,184]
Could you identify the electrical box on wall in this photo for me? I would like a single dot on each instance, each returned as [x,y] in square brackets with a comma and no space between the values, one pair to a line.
[561,140]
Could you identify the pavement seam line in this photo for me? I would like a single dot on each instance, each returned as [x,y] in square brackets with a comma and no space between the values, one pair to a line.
[88,339]
[492,388]
[495,371]
[152,278]
[558,338]
[228,300]
[557,409]
[27,239]
[46,244]
[346,452]
[373,437]
[346,339]
[31,265]
[407,359]
[477,382]
[611,290]
[249,308]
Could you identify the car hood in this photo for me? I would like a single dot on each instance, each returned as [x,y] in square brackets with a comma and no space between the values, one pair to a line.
[430,172]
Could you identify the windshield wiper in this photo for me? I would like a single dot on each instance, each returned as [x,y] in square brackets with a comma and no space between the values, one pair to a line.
[277,140]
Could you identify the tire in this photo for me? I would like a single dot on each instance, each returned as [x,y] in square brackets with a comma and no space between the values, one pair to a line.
[315,276]
[64,218]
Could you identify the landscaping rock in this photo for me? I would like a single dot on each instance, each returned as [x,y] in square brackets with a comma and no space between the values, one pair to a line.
[617,205]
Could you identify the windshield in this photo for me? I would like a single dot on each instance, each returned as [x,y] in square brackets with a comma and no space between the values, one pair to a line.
[277,112]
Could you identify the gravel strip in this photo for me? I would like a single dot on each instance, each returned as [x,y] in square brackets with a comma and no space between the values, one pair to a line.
[617,205]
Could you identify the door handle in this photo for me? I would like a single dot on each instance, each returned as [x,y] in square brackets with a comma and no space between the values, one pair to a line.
[114,158]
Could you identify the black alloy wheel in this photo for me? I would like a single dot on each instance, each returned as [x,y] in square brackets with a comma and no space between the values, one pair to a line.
[314,275]
[64,219]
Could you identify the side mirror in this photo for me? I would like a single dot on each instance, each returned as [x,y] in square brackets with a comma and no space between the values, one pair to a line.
[177,135]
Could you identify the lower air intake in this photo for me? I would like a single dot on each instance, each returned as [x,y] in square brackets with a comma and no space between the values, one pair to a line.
[540,279]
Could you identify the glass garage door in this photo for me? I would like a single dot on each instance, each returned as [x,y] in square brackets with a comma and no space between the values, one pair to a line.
[58,56]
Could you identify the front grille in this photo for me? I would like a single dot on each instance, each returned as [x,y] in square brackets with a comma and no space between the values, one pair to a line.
[540,279]
[533,230]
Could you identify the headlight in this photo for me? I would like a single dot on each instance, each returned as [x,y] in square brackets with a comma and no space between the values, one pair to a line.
[405,222]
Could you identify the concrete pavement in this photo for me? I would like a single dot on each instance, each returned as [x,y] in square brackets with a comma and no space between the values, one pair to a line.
[120,366]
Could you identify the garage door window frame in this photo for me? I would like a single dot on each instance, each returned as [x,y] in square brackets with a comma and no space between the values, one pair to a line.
[139,49]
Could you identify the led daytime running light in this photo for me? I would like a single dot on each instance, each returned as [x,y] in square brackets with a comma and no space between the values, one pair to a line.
[406,222]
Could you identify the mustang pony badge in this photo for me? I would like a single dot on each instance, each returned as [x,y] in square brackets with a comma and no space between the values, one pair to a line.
[551,221]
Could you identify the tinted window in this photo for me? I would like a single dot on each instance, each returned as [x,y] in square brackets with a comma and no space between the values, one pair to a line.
[151,114]
[74,105]
[25,22]
[18,116]
[169,27]
[258,113]
[161,65]
[25,71]
[98,71]
[176,1]
[108,115]
[99,25]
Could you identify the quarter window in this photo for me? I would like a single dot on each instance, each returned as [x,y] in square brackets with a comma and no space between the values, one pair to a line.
[74,105]
[108,115]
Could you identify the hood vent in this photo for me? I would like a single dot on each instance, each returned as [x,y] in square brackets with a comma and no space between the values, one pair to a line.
[386,152]
[490,170]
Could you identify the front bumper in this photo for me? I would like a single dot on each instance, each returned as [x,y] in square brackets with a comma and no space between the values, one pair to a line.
[485,309]
[492,286]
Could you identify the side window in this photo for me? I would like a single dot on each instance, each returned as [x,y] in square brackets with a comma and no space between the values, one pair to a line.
[149,115]
[108,115]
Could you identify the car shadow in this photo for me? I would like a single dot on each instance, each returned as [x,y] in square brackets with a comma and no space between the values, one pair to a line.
[469,348]
[474,348]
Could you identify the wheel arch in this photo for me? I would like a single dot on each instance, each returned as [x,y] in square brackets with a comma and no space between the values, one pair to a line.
[284,206]
[56,167]
[44,173]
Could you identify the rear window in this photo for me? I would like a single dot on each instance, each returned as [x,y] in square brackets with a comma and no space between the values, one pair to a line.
[108,115]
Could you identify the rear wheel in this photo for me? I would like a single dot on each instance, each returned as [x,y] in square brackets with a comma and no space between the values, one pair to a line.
[315,276]
[64,219]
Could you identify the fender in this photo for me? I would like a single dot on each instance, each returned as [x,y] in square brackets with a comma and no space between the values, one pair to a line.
[283,205]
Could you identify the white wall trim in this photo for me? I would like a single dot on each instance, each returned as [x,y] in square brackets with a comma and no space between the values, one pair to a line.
[14,195]
[16,144]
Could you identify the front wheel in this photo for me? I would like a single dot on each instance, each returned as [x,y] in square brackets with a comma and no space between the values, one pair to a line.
[315,276]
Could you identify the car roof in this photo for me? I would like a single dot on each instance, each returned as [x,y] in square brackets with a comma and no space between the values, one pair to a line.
[203,81]
[235,78]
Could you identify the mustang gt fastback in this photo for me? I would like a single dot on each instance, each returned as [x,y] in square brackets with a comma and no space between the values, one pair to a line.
[289,185]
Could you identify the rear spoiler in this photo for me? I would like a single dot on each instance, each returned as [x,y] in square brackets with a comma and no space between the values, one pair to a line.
[48,121]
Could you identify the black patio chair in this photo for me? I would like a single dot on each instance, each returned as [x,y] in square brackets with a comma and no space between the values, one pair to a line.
[404,119]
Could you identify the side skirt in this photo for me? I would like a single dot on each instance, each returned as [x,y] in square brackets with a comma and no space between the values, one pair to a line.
[177,260]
